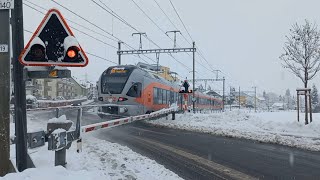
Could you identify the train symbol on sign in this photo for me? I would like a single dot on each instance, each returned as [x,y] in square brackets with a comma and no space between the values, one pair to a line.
[53,44]
[186,87]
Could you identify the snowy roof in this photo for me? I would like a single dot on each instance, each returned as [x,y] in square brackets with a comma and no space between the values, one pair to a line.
[83,84]
[278,104]
[31,97]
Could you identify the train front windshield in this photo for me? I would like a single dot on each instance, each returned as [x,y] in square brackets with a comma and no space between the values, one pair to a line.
[114,79]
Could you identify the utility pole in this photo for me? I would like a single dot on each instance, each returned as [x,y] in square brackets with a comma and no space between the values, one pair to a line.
[193,76]
[4,92]
[255,99]
[119,55]
[230,97]
[158,57]
[223,99]
[175,37]
[140,34]
[217,73]
[239,98]
[19,88]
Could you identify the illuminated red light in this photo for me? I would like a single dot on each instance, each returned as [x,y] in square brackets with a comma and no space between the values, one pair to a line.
[71,53]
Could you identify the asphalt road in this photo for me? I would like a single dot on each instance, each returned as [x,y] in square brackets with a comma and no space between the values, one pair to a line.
[203,156]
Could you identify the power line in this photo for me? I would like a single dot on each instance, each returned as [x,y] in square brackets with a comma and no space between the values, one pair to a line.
[96,26]
[165,14]
[85,51]
[84,19]
[181,20]
[161,31]
[189,33]
[148,17]
[176,28]
[67,19]
[100,57]
[114,14]
[110,11]
[75,28]
[200,52]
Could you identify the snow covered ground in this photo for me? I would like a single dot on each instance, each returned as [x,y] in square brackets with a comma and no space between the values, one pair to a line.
[272,127]
[99,159]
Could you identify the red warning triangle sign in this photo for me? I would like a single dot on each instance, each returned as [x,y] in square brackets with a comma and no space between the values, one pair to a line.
[53,44]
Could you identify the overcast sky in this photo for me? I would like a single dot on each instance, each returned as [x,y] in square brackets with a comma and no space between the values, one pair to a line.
[242,38]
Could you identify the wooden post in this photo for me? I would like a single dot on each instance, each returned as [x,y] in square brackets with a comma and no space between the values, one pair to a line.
[310,105]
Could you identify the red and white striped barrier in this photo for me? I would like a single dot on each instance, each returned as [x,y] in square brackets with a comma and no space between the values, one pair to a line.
[122,121]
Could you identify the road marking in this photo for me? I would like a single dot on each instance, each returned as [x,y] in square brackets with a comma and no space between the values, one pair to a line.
[152,131]
[233,174]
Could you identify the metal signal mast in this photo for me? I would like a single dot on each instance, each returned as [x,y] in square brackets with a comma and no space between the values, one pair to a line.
[159,51]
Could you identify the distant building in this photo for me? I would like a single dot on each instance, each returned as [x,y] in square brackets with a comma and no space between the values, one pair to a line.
[279,106]
[68,88]
[161,71]
[213,93]
[80,89]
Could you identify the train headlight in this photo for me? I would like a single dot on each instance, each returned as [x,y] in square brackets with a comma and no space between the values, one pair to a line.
[122,99]
[123,109]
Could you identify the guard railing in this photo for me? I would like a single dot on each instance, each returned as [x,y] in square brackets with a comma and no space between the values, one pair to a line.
[60,137]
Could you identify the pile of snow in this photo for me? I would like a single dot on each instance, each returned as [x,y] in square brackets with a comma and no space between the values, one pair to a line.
[61,120]
[272,127]
[54,173]
[87,102]
[30,97]
[99,160]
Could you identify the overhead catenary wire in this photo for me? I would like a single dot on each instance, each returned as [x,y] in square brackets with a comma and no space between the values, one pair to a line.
[165,14]
[72,27]
[78,24]
[181,20]
[97,27]
[161,31]
[130,47]
[139,7]
[110,11]
[200,52]
[92,54]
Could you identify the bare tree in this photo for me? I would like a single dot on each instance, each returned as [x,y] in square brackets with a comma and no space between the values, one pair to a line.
[302,54]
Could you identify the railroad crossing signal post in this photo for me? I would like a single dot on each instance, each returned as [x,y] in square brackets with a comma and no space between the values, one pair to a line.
[193,77]
[119,55]
[19,88]
[4,92]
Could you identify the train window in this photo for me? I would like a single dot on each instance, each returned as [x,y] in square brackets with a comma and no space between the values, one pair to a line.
[164,96]
[159,96]
[135,90]
[155,95]
[169,101]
